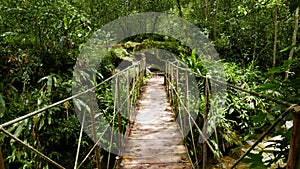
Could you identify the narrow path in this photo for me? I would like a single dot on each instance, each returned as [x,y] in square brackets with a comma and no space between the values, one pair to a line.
[155,140]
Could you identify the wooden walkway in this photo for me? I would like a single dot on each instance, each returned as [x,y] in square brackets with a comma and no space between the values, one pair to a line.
[154,140]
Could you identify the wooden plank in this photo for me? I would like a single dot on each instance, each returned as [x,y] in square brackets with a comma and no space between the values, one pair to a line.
[155,140]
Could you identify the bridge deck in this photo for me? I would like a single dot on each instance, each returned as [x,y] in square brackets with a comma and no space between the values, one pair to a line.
[155,140]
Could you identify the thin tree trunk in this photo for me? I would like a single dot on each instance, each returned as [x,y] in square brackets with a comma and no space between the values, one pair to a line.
[206,10]
[294,154]
[179,8]
[255,38]
[1,160]
[215,19]
[294,40]
[275,40]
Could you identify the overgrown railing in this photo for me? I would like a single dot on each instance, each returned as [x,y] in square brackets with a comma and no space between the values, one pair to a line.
[132,77]
[180,105]
[181,101]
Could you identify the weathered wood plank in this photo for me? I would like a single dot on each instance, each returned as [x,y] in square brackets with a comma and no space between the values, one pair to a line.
[155,140]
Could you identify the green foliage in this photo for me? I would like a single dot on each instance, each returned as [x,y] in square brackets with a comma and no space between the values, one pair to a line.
[40,40]
[194,62]
[2,106]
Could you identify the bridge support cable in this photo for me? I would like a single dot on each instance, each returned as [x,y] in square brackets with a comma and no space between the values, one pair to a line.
[36,112]
[31,148]
[288,110]
[118,104]
[192,119]
[79,141]
[292,108]
[171,87]
[184,104]
[92,115]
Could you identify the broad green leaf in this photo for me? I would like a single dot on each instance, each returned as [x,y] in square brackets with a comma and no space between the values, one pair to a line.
[258,118]
[270,117]
[247,160]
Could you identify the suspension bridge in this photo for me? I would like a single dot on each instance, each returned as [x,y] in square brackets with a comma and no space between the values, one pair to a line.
[158,115]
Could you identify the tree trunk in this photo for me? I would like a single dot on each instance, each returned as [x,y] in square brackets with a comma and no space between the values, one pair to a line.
[215,19]
[179,8]
[294,154]
[206,10]
[1,160]
[294,40]
[275,40]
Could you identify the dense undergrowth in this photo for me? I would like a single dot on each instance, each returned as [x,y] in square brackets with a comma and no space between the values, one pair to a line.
[40,41]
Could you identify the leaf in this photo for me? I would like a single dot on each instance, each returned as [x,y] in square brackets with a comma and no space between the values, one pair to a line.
[49,85]
[60,25]
[267,86]
[297,49]
[258,118]
[270,117]
[65,22]
[246,137]
[2,106]
[49,120]
[286,49]
[19,129]
[247,160]
[258,165]
[42,122]
[77,104]
[8,34]
[46,77]
[283,67]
